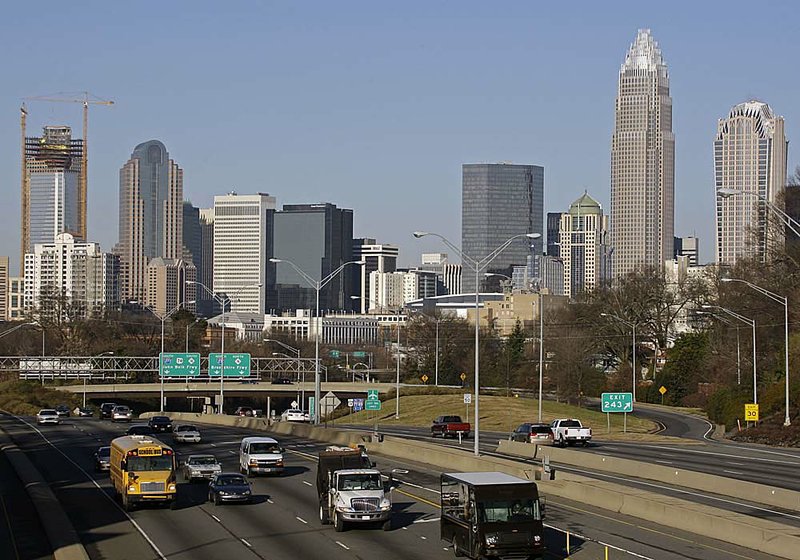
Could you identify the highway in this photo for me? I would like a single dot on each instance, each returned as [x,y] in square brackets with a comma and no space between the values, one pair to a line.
[283,522]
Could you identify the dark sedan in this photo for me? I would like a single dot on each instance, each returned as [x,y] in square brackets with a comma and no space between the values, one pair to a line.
[229,487]
[140,430]
[160,423]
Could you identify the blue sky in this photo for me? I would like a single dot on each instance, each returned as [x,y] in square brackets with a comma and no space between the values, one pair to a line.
[375,105]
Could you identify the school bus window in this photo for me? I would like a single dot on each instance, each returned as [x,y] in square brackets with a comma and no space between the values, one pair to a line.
[163,463]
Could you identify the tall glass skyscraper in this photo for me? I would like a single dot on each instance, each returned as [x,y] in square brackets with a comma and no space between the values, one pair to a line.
[150,215]
[750,156]
[51,181]
[642,161]
[499,201]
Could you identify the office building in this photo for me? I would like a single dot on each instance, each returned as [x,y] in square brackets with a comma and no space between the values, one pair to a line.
[749,156]
[52,172]
[377,258]
[500,201]
[69,279]
[553,233]
[386,291]
[688,247]
[318,239]
[642,161]
[150,215]
[192,239]
[583,249]
[552,275]
[451,278]
[205,271]
[16,298]
[435,262]
[242,249]
[4,295]
[170,283]
[418,284]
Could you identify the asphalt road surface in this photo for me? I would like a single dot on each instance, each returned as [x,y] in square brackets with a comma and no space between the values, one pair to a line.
[283,521]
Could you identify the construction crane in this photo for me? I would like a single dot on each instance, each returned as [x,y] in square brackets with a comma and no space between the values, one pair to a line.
[84,98]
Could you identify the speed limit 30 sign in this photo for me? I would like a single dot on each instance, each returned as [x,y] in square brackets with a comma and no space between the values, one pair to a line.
[751,412]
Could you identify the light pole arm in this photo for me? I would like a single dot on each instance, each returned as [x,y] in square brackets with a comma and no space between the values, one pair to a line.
[493,255]
[772,295]
[465,259]
[325,281]
[311,282]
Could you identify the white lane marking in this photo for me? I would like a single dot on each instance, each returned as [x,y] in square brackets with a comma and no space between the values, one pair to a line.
[213,444]
[710,429]
[100,488]
[215,518]
[737,464]
[406,529]
[665,462]
[423,537]
[301,520]
[269,500]
[232,452]
[307,483]
[432,520]
[733,472]
[344,546]
[416,485]
[247,544]
[731,456]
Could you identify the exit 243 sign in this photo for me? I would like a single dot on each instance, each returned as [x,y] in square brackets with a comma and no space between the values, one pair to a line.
[616,402]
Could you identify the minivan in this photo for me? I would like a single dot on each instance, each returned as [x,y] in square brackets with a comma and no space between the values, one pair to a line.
[260,455]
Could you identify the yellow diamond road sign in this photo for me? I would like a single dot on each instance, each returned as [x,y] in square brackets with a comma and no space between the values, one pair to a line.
[463,376]
[751,412]
[424,378]
[662,389]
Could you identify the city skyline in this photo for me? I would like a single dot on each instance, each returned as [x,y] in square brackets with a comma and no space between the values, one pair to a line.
[377,123]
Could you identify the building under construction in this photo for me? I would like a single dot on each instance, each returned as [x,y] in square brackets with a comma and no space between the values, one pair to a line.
[52,178]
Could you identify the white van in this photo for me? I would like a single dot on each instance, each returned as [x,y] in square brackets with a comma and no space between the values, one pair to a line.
[259,455]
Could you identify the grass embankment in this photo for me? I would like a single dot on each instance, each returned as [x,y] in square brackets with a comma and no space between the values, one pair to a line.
[498,414]
[28,397]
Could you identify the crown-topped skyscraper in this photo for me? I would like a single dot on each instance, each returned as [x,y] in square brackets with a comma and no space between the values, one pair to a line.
[642,161]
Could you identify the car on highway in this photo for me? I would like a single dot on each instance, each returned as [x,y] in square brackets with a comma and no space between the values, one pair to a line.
[282,381]
[244,411]
[533,433]
[200,466]
[160,423]
[186,433]
[295,415]
[121,413]
[229,487]
[106,409]
[62,410]
[85,412]
[47,416]
[102,459]
[140,430]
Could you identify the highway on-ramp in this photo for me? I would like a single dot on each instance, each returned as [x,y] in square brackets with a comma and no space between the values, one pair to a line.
[283,522]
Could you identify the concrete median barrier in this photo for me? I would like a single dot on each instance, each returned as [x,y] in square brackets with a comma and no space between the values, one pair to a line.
[61,534]
[781,541]
[739,489]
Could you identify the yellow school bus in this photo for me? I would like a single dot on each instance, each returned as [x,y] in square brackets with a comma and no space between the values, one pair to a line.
[143,470]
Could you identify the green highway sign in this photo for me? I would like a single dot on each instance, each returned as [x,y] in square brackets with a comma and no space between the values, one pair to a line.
[372,395]
[372,404]
[616,402]
[236,365]
[178,365]
[334,353]
[359,354]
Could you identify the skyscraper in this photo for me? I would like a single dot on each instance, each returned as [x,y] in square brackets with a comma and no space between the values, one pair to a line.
[376,257]
[499,201]
[150,215]
[318,238]
[583,251]
[642,161]
[52,168]
[749,156]
[205,272]
[242,249]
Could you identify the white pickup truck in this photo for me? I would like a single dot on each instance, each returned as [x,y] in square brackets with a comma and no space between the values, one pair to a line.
[568,431]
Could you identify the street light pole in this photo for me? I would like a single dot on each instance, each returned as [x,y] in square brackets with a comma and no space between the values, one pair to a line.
[317,285]
[541,352]
[297,355]
[163,319]
[436,358]
[397,382]
[785,302]
[477,266]
[747,321]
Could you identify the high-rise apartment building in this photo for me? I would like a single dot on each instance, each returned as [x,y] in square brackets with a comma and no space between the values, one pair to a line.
[377,257]
[500,201]
[70,279]
[242,249]
[318,239]
[749,156]
[451,278]
[4,296]
[16,298]
[52,171]
[170,283]
[150,215]
[386,291]
[642,161]
[583,248]
[205,271]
